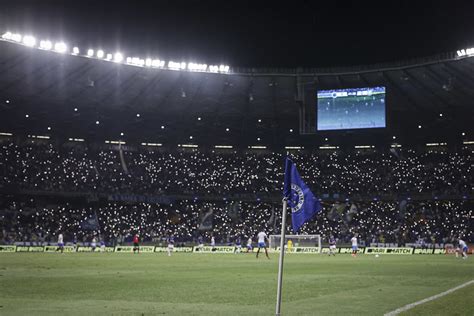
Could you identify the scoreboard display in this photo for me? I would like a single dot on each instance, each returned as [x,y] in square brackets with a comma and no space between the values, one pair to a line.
[355,108]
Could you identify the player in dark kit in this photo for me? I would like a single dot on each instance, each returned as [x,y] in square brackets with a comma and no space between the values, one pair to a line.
[136,246]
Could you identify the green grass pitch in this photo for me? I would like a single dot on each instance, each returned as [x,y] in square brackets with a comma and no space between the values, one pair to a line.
[226,284]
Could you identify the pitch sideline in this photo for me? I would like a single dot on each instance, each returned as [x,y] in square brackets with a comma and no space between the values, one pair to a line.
[431,298]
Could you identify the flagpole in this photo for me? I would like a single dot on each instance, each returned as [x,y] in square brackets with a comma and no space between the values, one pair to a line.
[282,254]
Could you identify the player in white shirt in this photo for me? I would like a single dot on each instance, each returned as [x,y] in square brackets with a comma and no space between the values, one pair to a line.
[463,247]
[354,245]
[262,237]
[213,243]
[94,243]
[332,246]
[170,245]
[60,243]
[249,245]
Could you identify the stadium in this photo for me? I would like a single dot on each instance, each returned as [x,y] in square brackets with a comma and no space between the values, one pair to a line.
[131,184]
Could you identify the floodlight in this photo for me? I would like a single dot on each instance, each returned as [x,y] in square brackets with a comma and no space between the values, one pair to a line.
[47,45]
[109,57]
[7,36]
[75,50]
[16,37]
[118,57]
[29,41]
[100,53]
[148,62]
[90,52]
[60,47]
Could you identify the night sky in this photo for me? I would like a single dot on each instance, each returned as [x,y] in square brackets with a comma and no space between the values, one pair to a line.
[251,33]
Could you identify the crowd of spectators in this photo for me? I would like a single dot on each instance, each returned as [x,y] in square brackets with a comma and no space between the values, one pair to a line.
[50,168]
[369,173]
[376,221]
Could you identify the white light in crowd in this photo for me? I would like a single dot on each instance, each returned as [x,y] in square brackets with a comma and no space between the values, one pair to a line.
[291,130]
[7,36]
[47,45]
[109,57]
[162,127]
[16,37]
[27,116]
[90,52]
[75,109]
[75,50]
[394,137]
[148,62]
[100,53]
[97,122]
[121,134]
[199,118]
[190,137]
[29,41]
[227,129]
[260,120]
[326,139]
[258,138]
[440,114]
[7,101]
[118,57]
[60,47]
[419,126]
[138,114]
[463,134]
[49,128]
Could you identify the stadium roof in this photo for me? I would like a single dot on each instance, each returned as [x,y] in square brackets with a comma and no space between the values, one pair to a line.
[71,96]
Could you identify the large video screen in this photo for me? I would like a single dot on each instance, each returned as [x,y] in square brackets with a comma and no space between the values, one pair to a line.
[351,108]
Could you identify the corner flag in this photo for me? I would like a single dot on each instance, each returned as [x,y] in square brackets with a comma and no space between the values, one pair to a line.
[304,205]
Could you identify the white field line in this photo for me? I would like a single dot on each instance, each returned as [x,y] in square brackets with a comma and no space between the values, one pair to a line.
[431,298]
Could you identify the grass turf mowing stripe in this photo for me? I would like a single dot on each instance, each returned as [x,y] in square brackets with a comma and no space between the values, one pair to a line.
[429,299]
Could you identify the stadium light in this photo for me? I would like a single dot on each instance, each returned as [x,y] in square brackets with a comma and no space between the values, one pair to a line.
[100,53]
[75,51]
[16,37]
[7,36]
[46,45]
[148,62]
[118,57]
[109,57]
[90,52]
[60,47]
[29,41]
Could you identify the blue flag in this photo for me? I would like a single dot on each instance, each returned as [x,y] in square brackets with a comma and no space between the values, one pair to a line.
[304,205]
